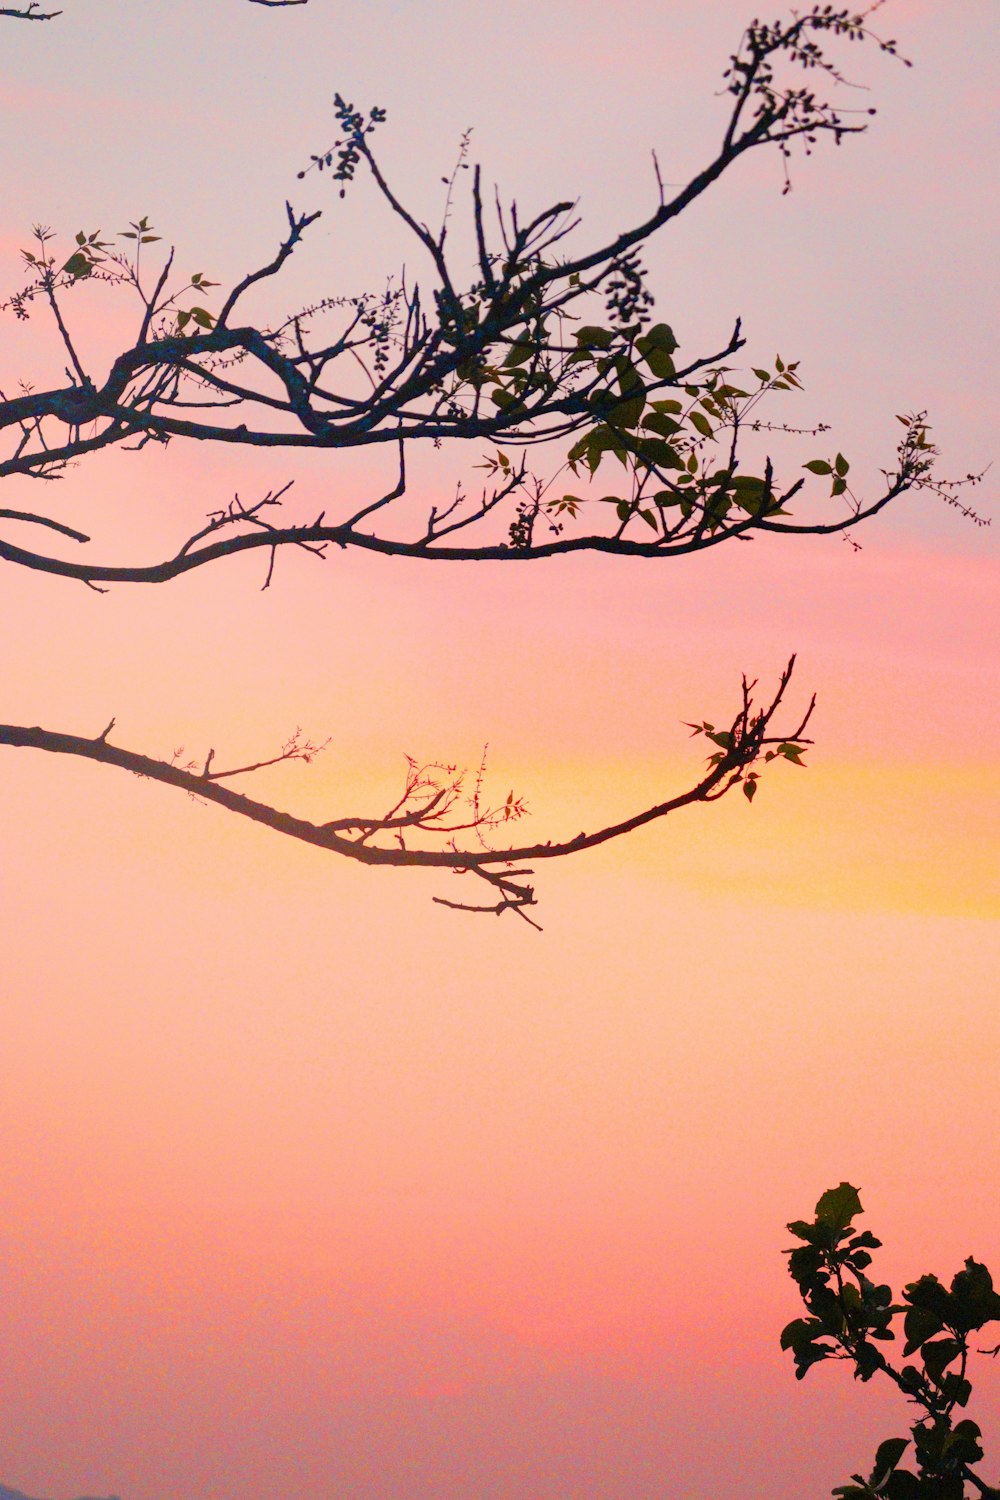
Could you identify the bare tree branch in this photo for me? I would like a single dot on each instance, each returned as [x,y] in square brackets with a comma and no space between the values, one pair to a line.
[30,13]
[427,807]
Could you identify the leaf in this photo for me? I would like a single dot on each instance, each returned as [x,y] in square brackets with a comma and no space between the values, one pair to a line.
[701,422]
[594,444]
[972,1290]
[838,487]
[763,376]
[919,1325]
[590,337]
[78,265]
[955,1388]
[748,492]
[660,423]
[650,519]
[838,1206]
[660,336]
[964,1442]
[656,451]
[818,466]
[799,1332]
[627,413]
[519,354]
[867,1361]
[629,380]
[841,465]
[750,787]
[656,347]
[938,1355]
[813,1355]
[887,1457]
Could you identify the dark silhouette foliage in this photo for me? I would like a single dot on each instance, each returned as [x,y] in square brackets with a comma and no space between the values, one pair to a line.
[850,1317]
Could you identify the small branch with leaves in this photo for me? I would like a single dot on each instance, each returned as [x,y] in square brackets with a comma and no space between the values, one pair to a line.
[849,1317]
[437,807]
[538,346]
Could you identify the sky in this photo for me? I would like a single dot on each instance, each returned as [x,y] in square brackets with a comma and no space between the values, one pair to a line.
[311,1186]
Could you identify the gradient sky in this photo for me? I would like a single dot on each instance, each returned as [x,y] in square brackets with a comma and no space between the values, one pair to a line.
[311,1187]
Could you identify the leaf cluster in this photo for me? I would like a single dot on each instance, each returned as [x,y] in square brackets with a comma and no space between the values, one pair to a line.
[850,1317]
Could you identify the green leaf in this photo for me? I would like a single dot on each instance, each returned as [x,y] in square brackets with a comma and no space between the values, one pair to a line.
[630,382]
[798,1332]
[590,337]
[701,422]
[650,519]
[818,466]
[660,423]
[838,487]
[887,1457]
[919,1325]
[78,266]
[838,1206]
[656,451]
[955,1388]
[963,1442]
[750,787]
[660,336]
[813,1355]
[972,1290]
[867,1361]
[519,354]
[748,493]
[841,465]
[656,347]
[594,444]
[937,1355]
[763,376]
[627,413]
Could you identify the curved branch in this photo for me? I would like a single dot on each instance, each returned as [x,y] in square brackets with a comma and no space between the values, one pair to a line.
[30,13]
[749,739]
[320,535]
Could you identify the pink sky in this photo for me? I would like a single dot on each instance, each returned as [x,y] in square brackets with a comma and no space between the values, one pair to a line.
[311,1187]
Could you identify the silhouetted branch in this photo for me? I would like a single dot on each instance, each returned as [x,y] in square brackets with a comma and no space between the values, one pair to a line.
[30,12]
[433,793]
[504,361]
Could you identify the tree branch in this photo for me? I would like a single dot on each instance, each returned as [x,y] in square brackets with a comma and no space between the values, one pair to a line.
[503,361]
[429,795]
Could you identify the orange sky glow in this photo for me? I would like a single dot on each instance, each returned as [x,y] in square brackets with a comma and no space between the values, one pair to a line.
[313,1187]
